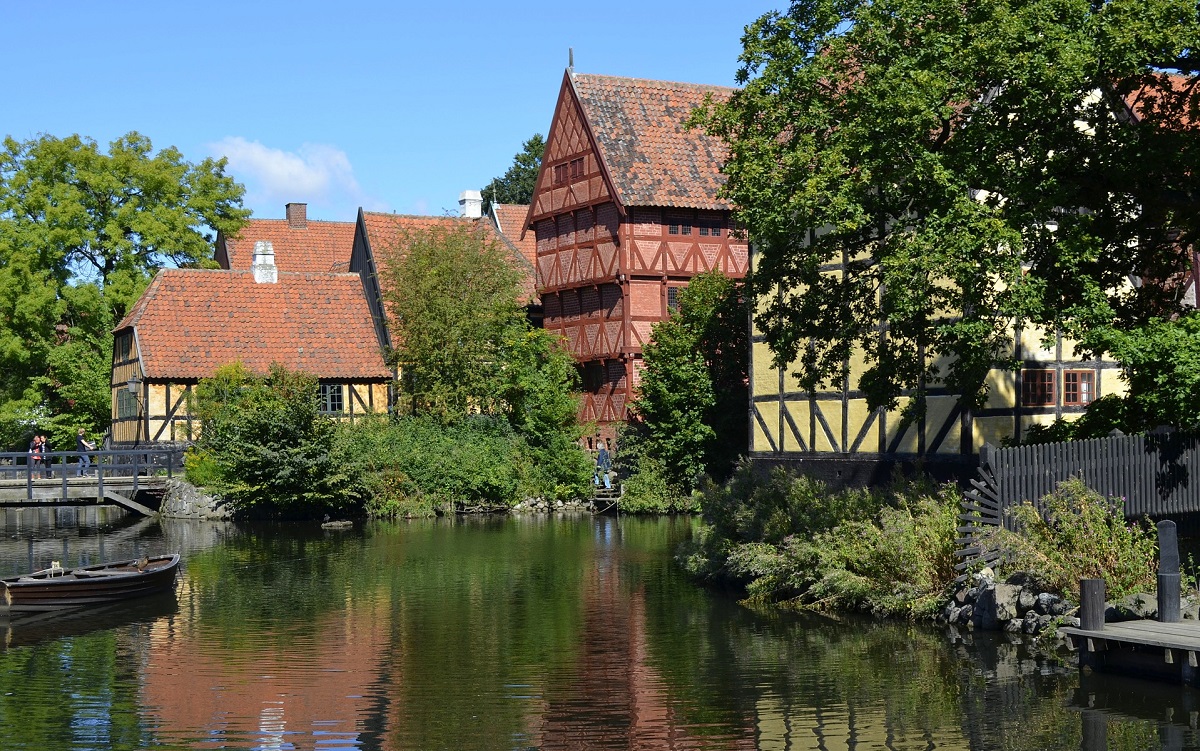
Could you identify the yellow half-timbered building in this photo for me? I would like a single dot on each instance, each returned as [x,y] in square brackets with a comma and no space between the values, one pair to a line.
[189,322]
[832,433]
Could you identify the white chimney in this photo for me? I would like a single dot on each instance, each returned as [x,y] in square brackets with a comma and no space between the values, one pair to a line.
[471,204]
[264,263]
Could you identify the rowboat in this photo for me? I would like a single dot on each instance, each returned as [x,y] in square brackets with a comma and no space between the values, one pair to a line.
[54,588]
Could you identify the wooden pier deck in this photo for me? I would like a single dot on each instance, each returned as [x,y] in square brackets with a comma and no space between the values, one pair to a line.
[1146,649]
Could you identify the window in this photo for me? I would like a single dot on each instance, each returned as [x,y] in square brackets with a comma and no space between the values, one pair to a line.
[673,298]
[576,168]
[126,403]
[1037,388]
[711,227]
[1079,387]
[560,174]
[679,226]
[330,398]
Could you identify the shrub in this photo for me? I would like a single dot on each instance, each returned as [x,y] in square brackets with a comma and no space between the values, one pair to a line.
[648,491]
[1079,534]
[412,465]
[264,446]
[790,539]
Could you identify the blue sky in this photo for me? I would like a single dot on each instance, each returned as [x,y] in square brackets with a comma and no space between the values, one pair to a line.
[390,106]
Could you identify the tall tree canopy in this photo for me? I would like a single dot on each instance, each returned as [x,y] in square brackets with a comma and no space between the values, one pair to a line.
[690,413]
[81,234]
[516,185]
[970,165]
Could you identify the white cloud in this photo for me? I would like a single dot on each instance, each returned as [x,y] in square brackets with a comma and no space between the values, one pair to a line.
[314,173]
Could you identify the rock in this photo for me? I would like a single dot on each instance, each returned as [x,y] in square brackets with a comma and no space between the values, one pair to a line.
[1006,602]
[951,612]
[1014,626]
[985,609]
[1071,621]
[1049,604]
[966,614]
[1132,608]
[985,577]
[1030,624]
[1026,600]
[960,597]
[1020,578]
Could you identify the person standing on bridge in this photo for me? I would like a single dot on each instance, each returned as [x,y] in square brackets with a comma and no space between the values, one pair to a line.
[603,465]
[38,455]
[83,446]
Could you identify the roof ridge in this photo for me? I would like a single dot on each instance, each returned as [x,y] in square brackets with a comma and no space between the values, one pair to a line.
[658,83]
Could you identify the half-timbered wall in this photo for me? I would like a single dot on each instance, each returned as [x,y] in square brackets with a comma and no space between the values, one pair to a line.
[160,412]
[835,422]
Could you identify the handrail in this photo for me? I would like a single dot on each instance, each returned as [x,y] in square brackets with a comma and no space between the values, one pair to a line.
[111,463]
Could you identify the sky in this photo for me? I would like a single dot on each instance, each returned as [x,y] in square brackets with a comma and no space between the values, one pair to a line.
[388,106]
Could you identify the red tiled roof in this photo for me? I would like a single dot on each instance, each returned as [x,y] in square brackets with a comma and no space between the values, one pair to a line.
[319,246]
[191,321]
[652,159]
[510,221]
[1169,96]
[385,230]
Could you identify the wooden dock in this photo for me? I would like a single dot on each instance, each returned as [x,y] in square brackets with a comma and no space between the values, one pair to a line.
[1145,649]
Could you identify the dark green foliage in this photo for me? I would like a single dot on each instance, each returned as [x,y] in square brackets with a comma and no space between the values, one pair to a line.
[518,183]
[691,411]
[972,165]
[785,538]
[81,234]
[264,446]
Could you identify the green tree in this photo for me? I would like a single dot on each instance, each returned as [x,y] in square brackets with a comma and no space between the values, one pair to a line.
[516,185]
[265,447]
[691,410]
[453,294]
[970,165]
[81,234]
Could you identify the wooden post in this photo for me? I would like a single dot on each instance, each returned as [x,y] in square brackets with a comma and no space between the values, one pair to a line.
[1168,573]
[1091,604]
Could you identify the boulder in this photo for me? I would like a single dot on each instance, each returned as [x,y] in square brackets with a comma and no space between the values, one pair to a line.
[1026,600]
[1007,608]
[985,609]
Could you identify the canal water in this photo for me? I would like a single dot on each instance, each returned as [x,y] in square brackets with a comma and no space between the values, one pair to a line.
[509,633]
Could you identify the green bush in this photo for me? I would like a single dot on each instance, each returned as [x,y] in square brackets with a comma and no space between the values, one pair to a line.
[1080,534]
[792,540]
[649,491]
[265,448]
[414,465]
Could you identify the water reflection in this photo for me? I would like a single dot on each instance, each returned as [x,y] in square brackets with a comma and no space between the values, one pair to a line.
[496,633]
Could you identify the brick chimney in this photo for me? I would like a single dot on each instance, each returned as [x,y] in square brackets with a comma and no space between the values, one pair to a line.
[264,268]
[470,204]
[297,215]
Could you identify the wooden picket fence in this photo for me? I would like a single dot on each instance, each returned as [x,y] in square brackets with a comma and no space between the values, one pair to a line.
[1157,475]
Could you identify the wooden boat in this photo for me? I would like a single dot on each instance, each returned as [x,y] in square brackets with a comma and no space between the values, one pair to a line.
[55,588]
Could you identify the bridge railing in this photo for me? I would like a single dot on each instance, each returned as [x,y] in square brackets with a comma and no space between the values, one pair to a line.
[119,465]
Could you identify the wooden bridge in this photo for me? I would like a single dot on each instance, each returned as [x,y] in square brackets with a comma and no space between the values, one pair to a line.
[118,477]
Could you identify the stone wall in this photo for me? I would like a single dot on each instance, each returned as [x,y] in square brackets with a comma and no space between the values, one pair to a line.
[185,501]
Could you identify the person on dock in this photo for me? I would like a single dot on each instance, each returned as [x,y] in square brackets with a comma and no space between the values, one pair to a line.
[83,446]
[603,465]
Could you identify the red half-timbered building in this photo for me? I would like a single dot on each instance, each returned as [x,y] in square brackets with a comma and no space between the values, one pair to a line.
[625,212]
